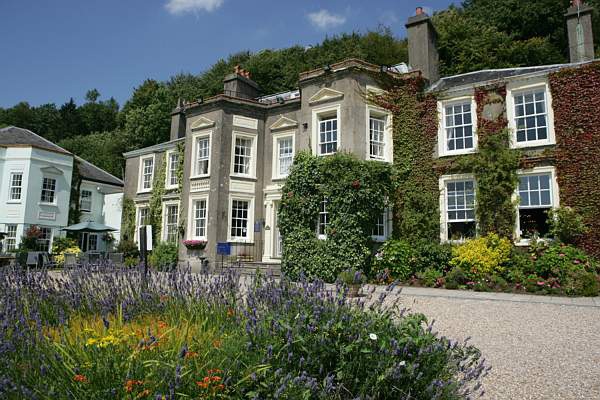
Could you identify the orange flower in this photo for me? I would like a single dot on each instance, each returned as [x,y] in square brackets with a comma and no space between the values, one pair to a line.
[216,343]
[162,325]
[220,386]
[230,312]
[131,383]
[202,384]
[206,379]
[191,354]
[214,371]
[216,378]
[80,378]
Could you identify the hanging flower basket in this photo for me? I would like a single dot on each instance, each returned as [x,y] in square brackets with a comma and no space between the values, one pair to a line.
[195,244]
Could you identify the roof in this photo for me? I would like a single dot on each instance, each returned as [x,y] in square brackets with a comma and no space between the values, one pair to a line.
[478,77]
[13,136]
[154,148]
[90,172]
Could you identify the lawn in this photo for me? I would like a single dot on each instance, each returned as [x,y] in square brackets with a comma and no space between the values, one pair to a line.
[106,333]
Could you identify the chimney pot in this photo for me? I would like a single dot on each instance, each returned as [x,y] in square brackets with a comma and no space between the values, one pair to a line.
[575,3]
[420,10]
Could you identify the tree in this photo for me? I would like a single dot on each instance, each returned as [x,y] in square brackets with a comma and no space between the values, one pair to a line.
[92,95]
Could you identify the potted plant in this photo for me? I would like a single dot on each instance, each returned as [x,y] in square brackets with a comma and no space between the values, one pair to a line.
[195,244]
[354,279]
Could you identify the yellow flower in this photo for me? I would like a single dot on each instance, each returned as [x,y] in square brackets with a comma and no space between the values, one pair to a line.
[91,341]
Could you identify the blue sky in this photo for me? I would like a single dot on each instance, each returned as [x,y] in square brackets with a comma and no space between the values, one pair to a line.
[53,50]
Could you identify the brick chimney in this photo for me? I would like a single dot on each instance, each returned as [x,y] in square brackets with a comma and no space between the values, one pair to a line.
[239,84]
[422,50]
[579,29]
[178,121]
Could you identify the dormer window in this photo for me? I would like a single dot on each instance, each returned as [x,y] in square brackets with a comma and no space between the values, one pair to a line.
[456,134]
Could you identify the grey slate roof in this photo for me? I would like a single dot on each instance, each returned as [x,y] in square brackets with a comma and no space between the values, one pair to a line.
[473,78]
[13,136]
[90,172]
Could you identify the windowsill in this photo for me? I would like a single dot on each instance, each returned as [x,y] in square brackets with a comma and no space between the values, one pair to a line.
[458,153]
[243,176]
[86,211]
[41,203]
[322,237]
[200,176]
[533,143]
[241,240]
[144,191]
[279,178]
[326,154]
[171,187]
[371,158]
[13,202]
[378,239]
[526,242]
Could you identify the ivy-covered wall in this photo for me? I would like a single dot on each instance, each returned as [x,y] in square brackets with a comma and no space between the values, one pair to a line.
[355,192]
[416,200]
[576,104]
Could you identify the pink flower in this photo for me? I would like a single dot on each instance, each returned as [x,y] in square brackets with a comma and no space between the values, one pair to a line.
[576,262]
[470,283]
[541,283]
[561,255]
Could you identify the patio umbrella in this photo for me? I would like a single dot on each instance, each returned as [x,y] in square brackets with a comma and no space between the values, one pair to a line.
[88,226]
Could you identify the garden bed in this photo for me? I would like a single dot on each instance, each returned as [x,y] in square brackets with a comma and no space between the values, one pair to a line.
[91,335]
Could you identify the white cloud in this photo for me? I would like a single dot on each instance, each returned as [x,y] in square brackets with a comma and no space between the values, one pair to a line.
[178,7]
[325,20]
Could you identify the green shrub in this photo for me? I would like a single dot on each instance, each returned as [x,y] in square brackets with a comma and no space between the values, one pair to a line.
[431,254]
[483,256]
[560,261]
[59,244]
[352,276]
[397,258]
[129,249]
[431,277]
[533,283]
[566,224]
[588,285]
[455,278]
[164,255]
[498,283]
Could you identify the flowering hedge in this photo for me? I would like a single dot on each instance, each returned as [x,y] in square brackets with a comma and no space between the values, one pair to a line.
[94,334]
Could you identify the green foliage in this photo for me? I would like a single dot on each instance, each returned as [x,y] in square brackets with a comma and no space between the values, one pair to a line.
[59,256]
[164,255]
[430,254]
[495,169]
[352,276]
[355,191]
[566,224]
[156,199]
[560,260]
[416,202]
[471,41]
[455,278]
[129,249]
[128,219]
[396,259]
[59,244]
[483,256]
[431,277]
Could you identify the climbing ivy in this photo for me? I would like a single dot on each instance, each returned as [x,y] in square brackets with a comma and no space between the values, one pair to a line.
[179,172]
[355,192]
[416,200]
[74,210]
[576,105]
[128,219]
[156,200]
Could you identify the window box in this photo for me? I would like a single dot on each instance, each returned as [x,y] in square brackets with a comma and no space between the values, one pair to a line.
[195,244]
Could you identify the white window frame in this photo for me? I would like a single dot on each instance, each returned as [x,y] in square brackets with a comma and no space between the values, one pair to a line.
[54,192]
[8,238]
[165,221]
[554,196]
[11,187]
[50,240]
[249,227]
[323,236]
[138,218]
[442,132]
[169,170]
[252,170]
[443,181]
[141,188]
[323,112]
[387,221]
[81,200]
[276,159]
[192,220]
[195,137]
[96,237]
[377,112]
[516,87]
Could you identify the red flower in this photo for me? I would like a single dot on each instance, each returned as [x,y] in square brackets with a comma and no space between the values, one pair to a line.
[355,184]
[80,378]
[290,194]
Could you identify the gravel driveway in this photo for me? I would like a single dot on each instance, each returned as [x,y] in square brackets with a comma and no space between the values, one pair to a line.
[537,351]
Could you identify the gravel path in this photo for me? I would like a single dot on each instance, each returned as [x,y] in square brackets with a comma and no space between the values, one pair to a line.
[537,351]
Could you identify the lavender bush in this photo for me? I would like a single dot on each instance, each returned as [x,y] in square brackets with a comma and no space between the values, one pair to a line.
[107,333]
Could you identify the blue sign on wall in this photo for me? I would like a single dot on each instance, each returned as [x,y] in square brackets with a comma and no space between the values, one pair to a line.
[224,248]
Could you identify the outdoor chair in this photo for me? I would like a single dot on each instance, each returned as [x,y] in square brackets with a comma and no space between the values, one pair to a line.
[48,260]
[33,258]
[94,258]
[70,260]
